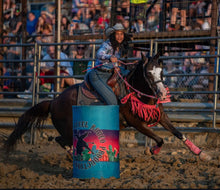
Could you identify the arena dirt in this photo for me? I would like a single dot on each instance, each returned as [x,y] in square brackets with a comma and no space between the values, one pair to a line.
[46,165]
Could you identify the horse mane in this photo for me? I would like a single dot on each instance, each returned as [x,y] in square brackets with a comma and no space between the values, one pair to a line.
[137,80]
[137,68]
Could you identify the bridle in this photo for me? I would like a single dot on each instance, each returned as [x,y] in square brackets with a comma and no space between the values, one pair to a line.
[149,82]
[139,94]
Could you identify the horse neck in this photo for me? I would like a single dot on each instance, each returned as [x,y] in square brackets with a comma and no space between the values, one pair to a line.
[137,81]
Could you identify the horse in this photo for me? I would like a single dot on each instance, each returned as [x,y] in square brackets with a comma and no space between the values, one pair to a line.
[141,101]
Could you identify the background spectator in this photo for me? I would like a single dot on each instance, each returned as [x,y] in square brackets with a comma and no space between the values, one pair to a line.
[47,68]
[66,8]
[40,25]
[178,5]
[31,23]
[14,68]
[8,12]
[203,23]
[66,48]
[74,25]
[8,5]
[77,5]
[126,23]
[77,27]
[198,83]
[47,17]
[80,66]
[15,22]
[13,53]
[169,69]
[93,27]
[153,21]
[5,40]
[64,25]
[139,25]
[103,20]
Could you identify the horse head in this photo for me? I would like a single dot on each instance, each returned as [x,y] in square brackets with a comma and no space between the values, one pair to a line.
[153,75]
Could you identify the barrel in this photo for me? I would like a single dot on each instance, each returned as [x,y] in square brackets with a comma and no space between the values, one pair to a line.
[96,141]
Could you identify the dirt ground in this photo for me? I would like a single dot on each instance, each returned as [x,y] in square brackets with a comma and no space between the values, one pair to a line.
[46,165]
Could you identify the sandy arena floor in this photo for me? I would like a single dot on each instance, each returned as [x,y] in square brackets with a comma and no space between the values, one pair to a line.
[45,165]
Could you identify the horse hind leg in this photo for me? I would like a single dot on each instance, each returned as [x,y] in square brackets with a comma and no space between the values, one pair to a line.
[60,140]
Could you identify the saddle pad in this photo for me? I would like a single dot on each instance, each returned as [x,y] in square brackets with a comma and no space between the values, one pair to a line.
[88,92]
[87,97]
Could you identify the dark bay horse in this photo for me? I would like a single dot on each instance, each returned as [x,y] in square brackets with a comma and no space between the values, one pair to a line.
[140,107]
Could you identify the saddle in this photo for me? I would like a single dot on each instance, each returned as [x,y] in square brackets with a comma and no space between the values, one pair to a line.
[87,94]
[112,82]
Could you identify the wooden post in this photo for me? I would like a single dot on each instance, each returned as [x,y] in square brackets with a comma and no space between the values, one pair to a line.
[24,39]
[212,48]
[1,57]
[57,40]
[113,12]
[163,16]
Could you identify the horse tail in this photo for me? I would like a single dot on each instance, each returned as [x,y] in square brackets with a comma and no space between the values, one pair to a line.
[35,116]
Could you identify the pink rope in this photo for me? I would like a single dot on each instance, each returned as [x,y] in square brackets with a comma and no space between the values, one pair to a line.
[167,99]
[144,111]
[93,67]
[129,86]
[132,63]
[139,93]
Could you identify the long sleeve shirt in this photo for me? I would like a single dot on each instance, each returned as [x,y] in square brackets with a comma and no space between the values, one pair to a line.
[104,54]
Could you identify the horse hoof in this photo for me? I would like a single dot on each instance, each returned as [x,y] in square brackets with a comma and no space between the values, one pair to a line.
[155,150]
[147,151]
[69,156]
[204,157]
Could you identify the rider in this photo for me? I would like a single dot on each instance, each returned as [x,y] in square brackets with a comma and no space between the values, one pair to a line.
[106,59]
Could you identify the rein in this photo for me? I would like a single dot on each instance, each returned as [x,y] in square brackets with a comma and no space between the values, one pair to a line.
[144,111]
[146,79]
[139,93]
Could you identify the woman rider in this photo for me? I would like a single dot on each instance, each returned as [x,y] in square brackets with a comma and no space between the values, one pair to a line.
[106,59]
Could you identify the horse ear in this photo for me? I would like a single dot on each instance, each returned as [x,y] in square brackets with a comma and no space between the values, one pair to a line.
[157,55]
[144,58]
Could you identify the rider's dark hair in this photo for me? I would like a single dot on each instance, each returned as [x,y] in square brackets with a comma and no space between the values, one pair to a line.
[124,46]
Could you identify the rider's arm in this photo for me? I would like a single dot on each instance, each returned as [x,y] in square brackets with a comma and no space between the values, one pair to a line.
[113,59]
[105,52]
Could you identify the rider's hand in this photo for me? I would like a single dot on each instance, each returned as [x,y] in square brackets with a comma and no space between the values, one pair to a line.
[114,59]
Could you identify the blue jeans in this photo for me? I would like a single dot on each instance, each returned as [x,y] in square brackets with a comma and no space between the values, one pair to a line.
[99,80]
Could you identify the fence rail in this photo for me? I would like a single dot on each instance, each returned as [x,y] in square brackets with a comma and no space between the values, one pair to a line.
[153,48]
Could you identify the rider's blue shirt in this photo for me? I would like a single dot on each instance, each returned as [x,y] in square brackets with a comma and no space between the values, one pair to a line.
[104,54]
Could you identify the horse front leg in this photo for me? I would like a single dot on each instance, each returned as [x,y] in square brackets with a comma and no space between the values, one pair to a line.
[166,123]
[141,126]
[144,129]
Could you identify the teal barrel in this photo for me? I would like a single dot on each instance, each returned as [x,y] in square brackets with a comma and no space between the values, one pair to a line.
[96,141]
